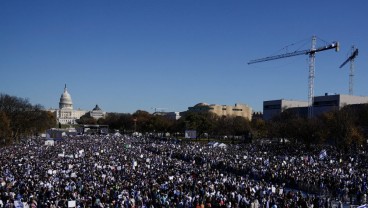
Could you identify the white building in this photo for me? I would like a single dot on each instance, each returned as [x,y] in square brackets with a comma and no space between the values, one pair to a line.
[97,113]
[66,114]
[169,115]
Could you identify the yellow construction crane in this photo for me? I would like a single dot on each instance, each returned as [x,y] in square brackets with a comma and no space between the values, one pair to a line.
[311,52]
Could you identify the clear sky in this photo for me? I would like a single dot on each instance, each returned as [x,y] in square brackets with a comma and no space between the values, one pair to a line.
[146,54]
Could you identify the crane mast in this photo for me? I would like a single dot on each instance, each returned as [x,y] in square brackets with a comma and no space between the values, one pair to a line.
[312,55]
[354,54]
[312,61]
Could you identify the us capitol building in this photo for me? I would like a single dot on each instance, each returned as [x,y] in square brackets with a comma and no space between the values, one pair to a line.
[67,115]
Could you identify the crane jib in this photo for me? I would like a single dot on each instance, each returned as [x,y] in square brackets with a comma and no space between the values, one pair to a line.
[296,53]
[352,57]
[328,47]
[311,52]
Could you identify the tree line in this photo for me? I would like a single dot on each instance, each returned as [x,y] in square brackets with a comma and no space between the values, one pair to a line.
[341,127]
[20,119]
[345,127]
[205,123]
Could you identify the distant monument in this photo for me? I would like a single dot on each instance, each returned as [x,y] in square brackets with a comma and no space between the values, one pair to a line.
[67,115]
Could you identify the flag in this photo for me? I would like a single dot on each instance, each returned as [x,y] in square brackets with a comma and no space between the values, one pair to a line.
[266,162]
[323,154]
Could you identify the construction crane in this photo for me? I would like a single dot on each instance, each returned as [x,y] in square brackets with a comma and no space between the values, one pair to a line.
[312,53]
[354,54]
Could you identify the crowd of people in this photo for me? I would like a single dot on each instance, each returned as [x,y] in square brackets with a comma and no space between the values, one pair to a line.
[127,171]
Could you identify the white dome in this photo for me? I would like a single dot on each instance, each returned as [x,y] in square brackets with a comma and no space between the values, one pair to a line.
[65,100]
[202,104]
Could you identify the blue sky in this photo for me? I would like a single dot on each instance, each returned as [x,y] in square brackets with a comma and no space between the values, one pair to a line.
[146,54]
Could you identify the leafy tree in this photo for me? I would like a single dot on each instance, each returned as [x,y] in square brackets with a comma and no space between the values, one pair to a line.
[126,122]
[224,126]
[142,121]
[207,123]
[161,123]
[111,119]
[202,122]
[118,121]
[259,128]
[361,118]
[24,118]
[288,125]
[241,126]
[41,120]
[310,131]
[87,119]
[178,126]
[342,127]
[5,130]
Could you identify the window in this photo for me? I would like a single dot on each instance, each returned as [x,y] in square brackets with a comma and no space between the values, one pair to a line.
[326,103]
[272,107]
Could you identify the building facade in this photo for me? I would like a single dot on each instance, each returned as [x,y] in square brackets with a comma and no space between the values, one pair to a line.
[240,110]
[273,108]
[321,104]
[328,102]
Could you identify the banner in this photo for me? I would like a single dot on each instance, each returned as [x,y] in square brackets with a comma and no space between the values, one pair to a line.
[54,134]
[190,134]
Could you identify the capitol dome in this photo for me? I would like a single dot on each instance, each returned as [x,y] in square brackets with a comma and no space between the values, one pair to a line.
[65,100]
[201,104]
[97,108]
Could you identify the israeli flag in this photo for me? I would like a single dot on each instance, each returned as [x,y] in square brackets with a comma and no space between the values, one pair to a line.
[323,154]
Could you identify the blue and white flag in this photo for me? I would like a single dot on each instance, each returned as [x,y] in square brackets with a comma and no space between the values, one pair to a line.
[266,162]
[323,154]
